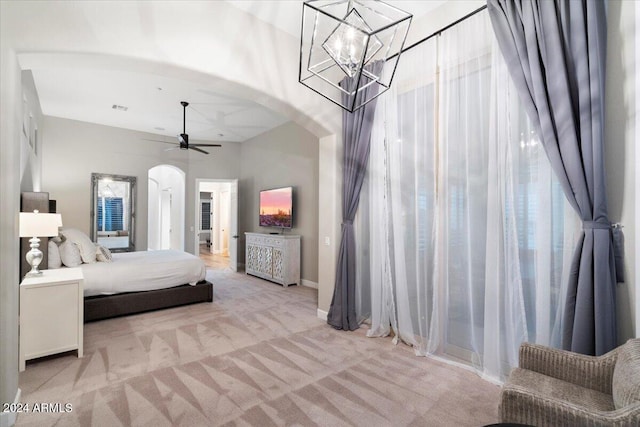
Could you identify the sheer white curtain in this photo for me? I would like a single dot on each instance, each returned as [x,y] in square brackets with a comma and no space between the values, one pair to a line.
[464,235]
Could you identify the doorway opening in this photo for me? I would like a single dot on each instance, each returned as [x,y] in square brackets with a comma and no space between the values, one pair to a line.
[166,206]
[216,231]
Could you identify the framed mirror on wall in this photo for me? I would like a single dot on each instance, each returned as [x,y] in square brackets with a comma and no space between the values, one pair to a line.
[113,211]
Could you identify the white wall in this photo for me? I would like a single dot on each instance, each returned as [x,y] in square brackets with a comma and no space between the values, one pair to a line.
[329,196]
[620,140]
[285,156]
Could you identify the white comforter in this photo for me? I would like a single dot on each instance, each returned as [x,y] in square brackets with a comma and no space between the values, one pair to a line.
[142,271]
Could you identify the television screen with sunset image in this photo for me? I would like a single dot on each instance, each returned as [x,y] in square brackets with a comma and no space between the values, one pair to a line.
[276,208]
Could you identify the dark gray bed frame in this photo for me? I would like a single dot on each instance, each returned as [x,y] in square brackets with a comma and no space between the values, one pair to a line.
[101,307]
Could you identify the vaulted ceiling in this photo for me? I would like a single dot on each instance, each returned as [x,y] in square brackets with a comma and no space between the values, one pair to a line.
[150,102]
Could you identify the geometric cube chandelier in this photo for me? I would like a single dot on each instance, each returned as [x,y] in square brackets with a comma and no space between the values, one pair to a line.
[348,45]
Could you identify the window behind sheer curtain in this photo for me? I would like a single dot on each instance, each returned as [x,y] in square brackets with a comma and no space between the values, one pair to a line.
[464,234]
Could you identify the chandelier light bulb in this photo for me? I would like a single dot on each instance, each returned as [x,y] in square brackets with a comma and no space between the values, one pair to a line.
[348,46]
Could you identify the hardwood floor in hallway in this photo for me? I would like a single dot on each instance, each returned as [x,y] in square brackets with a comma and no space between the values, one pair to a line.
[214,261]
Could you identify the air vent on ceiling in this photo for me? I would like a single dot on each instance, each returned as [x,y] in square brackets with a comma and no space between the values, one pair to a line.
[119,107]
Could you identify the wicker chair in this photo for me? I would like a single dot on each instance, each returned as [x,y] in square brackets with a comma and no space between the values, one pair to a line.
[560,388]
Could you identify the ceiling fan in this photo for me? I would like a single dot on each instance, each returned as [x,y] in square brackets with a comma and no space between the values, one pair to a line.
[183,138]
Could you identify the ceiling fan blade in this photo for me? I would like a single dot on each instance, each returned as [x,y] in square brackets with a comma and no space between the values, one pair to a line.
[191,147]
[177,147]
[205,145]
[157,140]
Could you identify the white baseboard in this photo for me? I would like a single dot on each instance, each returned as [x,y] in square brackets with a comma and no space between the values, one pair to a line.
[322,314]
[309,284]
[7,419]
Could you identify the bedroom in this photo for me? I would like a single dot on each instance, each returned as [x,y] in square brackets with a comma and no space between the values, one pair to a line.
[39,34]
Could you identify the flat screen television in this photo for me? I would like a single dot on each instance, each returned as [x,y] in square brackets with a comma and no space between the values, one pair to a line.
[276,207]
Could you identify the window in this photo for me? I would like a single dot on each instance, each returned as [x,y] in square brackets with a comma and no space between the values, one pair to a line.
[464,235]
[205,216]
[110,214]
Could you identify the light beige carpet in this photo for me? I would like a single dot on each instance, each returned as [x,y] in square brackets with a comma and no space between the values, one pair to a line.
[256,356]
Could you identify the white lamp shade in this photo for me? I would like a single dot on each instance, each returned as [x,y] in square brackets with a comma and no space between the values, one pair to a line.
[35,224]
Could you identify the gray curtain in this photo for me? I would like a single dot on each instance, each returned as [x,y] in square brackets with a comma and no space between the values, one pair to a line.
[356,138]
[556,53]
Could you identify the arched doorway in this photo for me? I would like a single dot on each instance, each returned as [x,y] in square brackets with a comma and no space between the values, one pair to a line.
[166,208]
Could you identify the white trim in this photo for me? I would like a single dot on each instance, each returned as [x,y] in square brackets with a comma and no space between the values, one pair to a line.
[7,419]
[322,314]
[636,283]
[309,284]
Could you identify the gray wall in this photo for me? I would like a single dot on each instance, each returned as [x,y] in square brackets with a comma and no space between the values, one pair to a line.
[20,171]
[284,156]
[10,128]
[73,150]
[31,142]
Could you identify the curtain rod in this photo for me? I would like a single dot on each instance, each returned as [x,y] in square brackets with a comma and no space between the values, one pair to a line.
[469,15]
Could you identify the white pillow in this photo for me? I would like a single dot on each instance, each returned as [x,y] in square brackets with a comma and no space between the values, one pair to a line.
[86,246]
[70,254]
[54,255]
[103,254]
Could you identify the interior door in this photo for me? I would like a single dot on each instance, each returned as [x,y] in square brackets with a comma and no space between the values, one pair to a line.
[233,225]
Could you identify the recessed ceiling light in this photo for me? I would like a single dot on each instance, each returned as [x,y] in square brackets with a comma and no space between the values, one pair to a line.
[158,128]
[119,107]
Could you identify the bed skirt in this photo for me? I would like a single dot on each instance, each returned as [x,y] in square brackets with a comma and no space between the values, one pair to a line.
[101,307]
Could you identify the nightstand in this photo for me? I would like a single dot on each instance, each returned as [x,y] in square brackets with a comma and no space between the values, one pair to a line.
[51,314]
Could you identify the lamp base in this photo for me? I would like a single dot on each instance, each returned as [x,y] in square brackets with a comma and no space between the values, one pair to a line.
[33,273]
[34,258]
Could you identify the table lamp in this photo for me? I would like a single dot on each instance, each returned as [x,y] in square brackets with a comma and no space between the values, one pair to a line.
[35,224]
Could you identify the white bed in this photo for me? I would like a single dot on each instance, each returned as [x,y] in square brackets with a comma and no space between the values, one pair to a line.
[142,271]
